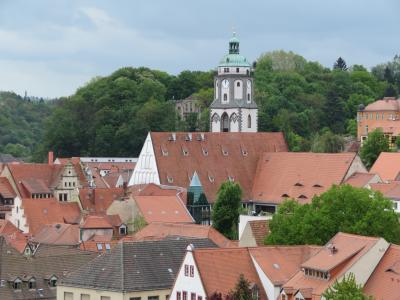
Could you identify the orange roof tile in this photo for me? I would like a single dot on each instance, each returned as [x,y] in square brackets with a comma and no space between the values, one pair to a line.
[48,211]
[349,248]
[96,222]
[298,175]
[161,230]
[58,234]
[220,269]
[214,158]
[13,236]
[387,166]
[385,104]
[260,229]
[169,209]
[280,263]
[384,282]
[98,200]
[359,179]
[6,190]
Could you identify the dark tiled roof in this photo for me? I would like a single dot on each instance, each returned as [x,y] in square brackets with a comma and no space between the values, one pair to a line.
[136,266]
[48,261]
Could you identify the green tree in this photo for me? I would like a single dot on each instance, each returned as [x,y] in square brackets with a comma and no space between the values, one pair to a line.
[340,64]
[242,290]
[376,143]
[346,289]
[225,213]
[327,142]
[340,209]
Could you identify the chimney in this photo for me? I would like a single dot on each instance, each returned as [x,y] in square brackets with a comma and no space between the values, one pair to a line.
[50,157]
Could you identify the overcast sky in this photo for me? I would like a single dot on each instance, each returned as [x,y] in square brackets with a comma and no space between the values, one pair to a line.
[52,47]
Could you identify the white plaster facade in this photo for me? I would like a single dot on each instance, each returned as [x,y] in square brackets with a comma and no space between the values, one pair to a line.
[146,167]
[17,216]
[271,290]
[189,284]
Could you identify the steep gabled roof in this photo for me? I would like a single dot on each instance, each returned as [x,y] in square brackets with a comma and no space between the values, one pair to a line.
[98,200]
[214,156]
[220,269]
[135,266]
[384,282]
[163,209]
[387,165]
[361,179]
[298,175]
[6,190]
[58,234]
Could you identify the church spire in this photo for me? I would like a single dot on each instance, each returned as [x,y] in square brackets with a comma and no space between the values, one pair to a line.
[234,44]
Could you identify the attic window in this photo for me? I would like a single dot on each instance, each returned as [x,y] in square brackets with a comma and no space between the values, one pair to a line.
[225,152]
[170,179]
[17,284]
[205,152]
[298,184]
[302,196]
[211,178]
[164,151]
[231,178]
[108,247]
[317,185]
[53,281]
[185,152]
[244,152]
[32,284]
[188,137]
[285,196]
[99,247]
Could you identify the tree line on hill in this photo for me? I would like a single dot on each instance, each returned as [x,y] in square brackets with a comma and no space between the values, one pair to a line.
[313,105]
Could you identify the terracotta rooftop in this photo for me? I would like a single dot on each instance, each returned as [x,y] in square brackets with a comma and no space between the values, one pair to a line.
[39,212]
[13,236]
[387,166]
[58,234]
[280,263]
[384,282]
[385,104]
[96,222]
[162,230]
[359,179]
[220,269]
[260,229]
[215,158]
[168,209]
[6,190]
[297,175]
[348,249]
[98,200]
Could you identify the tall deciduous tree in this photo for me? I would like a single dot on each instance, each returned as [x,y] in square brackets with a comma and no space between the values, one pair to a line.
[340,209]
[376,143]
[226,210]
[346,289]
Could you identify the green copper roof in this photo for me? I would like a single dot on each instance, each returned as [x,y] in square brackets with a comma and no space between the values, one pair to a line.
[234,39]
[234,60]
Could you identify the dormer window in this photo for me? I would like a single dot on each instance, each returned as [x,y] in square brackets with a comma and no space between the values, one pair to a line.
[317,185]
[17,284]
[170,179]
[298,184]
[164,151]
[205,151]
[211,178]
[53,281]
[231,178]
[32,283]
[285,196]
[302,197]
[224,152]
[244,152]
[185,152]
[122,229]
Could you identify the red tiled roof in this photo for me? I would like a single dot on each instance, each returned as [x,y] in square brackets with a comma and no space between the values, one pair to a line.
[58,234]
[96,222]
[13,235]
[220,269]
[260,229]
[349,248]
[385,104]
[48,211]
[384,283]
[280,263]
[161,230]
[98,200]
[169,209]
[359,179]
[387,166]
[389,190]
[6,190]
[217,157]
[298,175]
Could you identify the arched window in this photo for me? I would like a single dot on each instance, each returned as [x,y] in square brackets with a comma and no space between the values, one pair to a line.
[248,97]
[238,84]
[225,97]
[224,122]
[248,121]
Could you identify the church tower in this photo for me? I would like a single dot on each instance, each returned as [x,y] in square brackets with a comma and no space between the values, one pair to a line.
[233,108]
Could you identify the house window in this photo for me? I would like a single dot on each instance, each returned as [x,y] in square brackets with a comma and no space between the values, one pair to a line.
[248,97]
[238,84]
[105,298]
[237,70]
[60,197]
[68,296]
[184,295]
[99,247]
[152,298]
[17,284]
[225,97]
[178,295]
[199,298]
[248,121]
[108,247]
[395,205]
[85,297]
[192,272]
[192,296]
[186,270]
[53,282]
[122,230]
[32,284]
[135,298]
[255,292]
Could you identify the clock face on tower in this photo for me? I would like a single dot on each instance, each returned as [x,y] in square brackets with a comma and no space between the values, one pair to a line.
[225,83]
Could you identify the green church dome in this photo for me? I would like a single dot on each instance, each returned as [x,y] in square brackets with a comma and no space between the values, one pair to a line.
[234,59]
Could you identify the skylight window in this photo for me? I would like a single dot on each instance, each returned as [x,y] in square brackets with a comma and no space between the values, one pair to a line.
[99,247]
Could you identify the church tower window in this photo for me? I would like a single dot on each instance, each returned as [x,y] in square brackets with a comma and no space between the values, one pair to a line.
[248,121]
